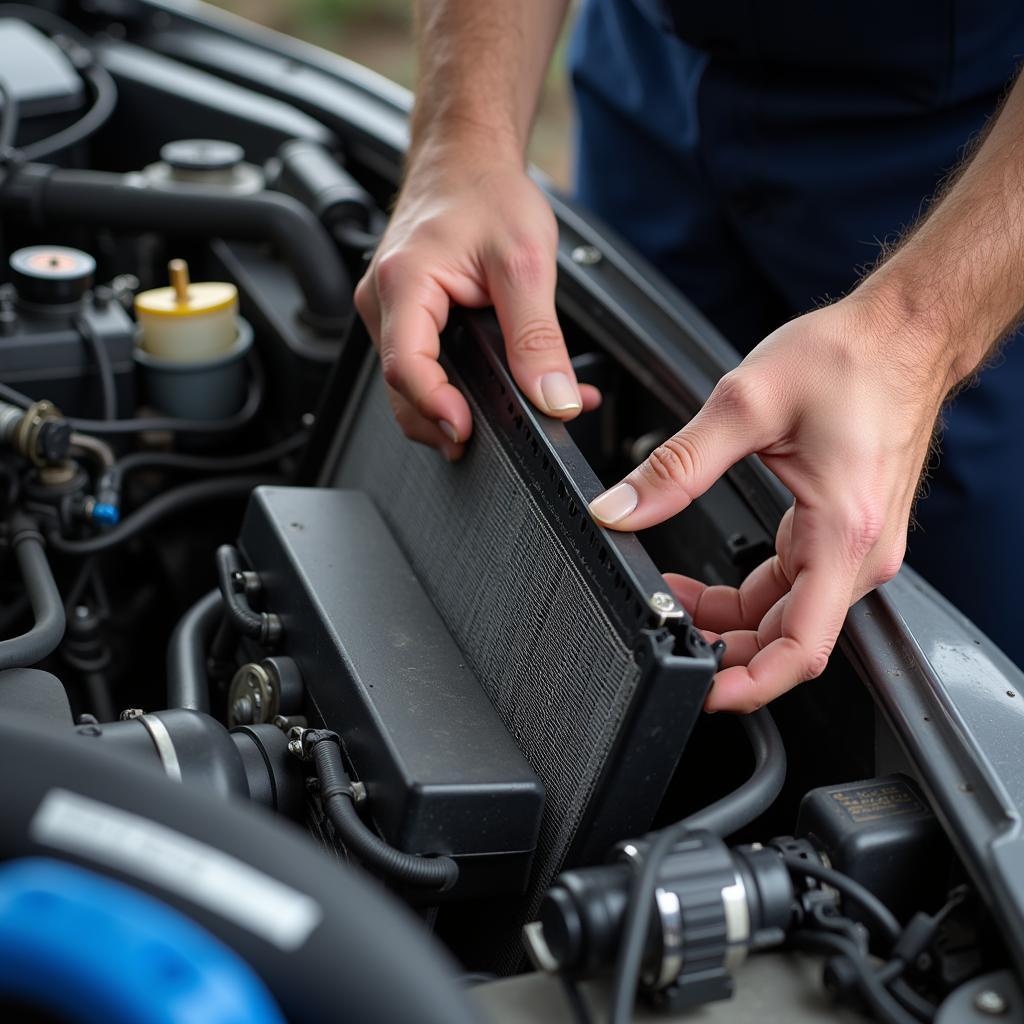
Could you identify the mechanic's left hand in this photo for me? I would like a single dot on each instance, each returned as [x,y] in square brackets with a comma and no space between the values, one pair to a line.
[841,408]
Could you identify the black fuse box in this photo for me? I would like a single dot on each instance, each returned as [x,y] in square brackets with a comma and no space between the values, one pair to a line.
[881,833]
[380,668]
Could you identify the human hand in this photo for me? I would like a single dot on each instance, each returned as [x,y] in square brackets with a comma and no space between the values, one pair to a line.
[843,415]
[472,234]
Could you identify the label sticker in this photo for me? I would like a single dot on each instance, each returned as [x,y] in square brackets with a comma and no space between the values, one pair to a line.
[877,802]
[171,860]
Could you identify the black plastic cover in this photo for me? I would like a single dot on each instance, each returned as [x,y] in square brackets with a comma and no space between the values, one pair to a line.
[441,771]
[45,356]
[882,833]
[36,71]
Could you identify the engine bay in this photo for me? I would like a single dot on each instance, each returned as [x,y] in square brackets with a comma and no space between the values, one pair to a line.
[239,610]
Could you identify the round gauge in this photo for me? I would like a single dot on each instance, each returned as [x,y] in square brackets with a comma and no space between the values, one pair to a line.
[51,274]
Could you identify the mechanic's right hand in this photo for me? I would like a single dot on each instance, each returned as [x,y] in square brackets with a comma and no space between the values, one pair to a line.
[472,236]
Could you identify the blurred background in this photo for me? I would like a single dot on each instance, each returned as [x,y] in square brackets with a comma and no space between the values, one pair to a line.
[378,33]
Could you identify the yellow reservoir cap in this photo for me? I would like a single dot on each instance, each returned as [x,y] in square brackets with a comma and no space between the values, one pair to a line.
[203,297]
[186,322]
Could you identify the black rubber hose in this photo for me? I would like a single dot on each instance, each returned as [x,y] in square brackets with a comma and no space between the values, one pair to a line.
[171,424]
[166,504]
[104,102]
[188,685]
[101,357]
[853,892]
[758,793]
[184,462]
[883,1005]
[264,627]
[48,630]
[99,198]
[324,938]
[439,873]
[723,817]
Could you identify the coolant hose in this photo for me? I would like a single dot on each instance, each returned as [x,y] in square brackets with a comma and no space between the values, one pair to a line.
[326,940]
[61,196]
[758,793]
[336,794]
[48,630]
[725,816]
[188,685]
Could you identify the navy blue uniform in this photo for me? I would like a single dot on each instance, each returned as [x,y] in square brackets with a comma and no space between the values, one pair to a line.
[759,157]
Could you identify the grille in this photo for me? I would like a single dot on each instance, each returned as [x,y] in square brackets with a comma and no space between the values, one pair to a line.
[552,614]
[523,614]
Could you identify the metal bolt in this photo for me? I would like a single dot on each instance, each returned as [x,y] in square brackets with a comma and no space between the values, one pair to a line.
[295,747]
[662,602]
[586,255]
[989,1001]
[241,711]
[129,713]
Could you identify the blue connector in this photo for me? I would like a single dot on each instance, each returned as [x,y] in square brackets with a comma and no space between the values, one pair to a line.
[105,514]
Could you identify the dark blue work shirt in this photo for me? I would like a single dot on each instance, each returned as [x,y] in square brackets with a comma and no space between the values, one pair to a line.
[761,153]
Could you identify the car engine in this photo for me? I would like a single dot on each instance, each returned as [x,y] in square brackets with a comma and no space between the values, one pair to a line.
[301,722]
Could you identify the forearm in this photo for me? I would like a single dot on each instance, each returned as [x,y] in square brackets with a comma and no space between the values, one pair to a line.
[481,67]
[956,285]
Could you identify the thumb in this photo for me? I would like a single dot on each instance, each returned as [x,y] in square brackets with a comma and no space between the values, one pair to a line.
[521,282]
[682,468]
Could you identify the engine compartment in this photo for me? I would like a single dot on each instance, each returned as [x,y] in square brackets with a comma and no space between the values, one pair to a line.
[194,581]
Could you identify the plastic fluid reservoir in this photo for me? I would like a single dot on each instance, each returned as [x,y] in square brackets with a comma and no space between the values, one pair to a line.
[188,322]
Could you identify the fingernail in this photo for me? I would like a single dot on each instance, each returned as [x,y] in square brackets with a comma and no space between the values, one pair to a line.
[614,504]
[449,431]
[559,393]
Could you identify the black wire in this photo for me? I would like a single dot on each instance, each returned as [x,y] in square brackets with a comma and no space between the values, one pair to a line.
[881,1002]
[881,916]
[8,120]
[102,85]
[206,463]
[723,817]
[103,105]
[168,503]
[101,357]
[167,424]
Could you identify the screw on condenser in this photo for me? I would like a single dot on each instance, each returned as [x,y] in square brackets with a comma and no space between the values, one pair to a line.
[989,1001]
[662,602]
[586,255]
